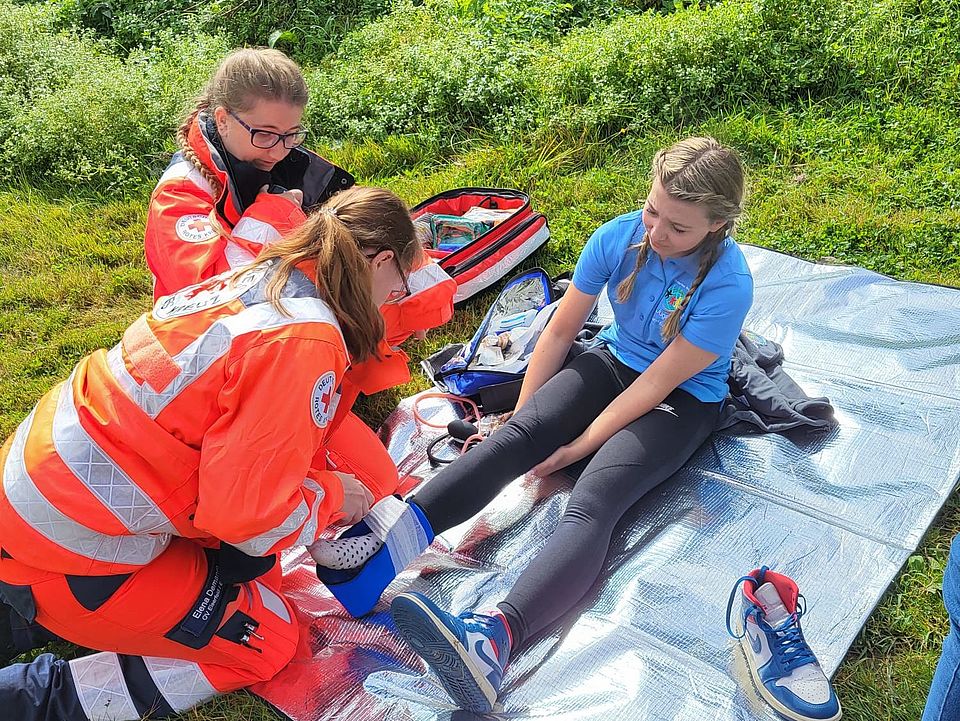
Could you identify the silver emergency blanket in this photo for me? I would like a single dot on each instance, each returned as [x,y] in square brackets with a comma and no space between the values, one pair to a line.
[839,511]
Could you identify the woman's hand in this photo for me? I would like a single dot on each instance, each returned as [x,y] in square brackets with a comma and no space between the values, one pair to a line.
[294,196]
[356,498]
[561,458]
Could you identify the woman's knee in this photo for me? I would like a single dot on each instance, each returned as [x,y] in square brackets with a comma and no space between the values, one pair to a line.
[592,510]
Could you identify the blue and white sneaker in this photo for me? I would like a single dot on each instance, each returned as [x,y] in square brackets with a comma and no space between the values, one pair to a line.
[784,669]
[468,652]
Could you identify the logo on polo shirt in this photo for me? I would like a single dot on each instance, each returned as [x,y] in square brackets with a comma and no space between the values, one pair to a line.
[671,299]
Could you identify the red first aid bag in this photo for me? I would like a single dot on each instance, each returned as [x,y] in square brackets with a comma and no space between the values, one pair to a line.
[480,234]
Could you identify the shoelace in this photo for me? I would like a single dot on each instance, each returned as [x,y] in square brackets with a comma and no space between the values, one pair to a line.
[733,597]
[788,643]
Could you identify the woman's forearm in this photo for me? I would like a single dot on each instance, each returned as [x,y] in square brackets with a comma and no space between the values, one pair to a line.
[547,358]
[637,400]
[680,361]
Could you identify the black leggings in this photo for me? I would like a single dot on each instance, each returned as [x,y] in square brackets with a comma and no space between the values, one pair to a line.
[634,460]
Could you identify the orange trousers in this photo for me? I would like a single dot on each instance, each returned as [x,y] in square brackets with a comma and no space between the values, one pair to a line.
[173,635]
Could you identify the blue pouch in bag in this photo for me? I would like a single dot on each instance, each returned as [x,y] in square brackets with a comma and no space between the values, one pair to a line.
[500,349]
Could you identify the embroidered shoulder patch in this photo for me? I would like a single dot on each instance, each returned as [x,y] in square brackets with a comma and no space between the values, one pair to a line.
[195,228]
[323,401]
[213,292]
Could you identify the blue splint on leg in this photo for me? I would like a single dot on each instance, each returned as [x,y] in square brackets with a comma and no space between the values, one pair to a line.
[405,536]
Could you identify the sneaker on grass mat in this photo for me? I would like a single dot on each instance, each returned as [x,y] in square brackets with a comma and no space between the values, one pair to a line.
[468,652]
[784,669]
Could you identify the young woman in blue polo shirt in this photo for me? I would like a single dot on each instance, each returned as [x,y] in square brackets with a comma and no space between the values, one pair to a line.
[640,404]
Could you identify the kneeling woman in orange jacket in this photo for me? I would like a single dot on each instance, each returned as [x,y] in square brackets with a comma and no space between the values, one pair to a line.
[144,500]
[241,180]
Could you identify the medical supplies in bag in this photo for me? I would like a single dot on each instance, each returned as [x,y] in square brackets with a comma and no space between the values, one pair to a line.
[478,235]
[501,347]
[489,369]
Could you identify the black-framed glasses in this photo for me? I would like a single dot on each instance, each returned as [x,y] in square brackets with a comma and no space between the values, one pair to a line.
[396,296]
[266,139]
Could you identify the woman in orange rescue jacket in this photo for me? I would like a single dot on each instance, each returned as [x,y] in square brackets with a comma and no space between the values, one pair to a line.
[242,179]
[144,500]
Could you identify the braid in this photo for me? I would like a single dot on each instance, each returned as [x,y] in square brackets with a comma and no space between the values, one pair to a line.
[708,256]
[625,288]
[191,157]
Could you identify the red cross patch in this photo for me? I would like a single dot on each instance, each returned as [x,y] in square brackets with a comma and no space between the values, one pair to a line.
[323,401]
[195,228]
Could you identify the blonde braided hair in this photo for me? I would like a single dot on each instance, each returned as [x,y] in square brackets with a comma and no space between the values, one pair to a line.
[702,171]
[242,79]
[189,154]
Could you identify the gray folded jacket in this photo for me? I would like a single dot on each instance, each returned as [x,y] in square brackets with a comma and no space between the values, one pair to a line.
[763,396]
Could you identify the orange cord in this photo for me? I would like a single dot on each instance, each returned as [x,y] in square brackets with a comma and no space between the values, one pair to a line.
[465,402]
[475,438]
[468,405]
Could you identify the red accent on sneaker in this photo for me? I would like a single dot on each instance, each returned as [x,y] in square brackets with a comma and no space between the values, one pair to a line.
[506,624]
[786,589]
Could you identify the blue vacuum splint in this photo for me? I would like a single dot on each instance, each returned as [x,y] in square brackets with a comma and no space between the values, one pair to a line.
[404,538]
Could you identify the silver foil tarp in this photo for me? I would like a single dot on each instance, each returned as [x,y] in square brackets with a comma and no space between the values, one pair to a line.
[839,511]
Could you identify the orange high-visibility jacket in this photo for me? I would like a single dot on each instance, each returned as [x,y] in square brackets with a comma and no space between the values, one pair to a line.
[206,421]
[190,237]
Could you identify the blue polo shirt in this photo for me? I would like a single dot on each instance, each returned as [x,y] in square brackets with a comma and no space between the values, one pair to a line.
[712,319]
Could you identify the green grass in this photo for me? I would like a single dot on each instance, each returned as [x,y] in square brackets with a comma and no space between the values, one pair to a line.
[875,187]
[844,113]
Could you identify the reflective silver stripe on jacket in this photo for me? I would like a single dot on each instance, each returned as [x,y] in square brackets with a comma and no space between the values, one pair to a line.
[98,472]
[215,342]
[302,515]
[101,688]
[185,170]
[237,256]
[47,520]
[181,683]
[426,277]
[255,231]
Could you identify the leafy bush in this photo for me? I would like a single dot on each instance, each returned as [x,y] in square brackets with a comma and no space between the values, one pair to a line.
[71,111]
[72,114]
[420,69]
[308,29]
[128,24]
[907,47]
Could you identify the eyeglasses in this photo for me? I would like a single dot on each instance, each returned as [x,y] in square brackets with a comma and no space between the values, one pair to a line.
[265,139]
[397,295]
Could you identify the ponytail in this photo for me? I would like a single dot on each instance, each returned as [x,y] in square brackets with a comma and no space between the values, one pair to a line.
[332,241]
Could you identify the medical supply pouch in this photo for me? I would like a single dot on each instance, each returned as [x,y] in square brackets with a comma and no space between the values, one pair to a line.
[478,235]
[500,350]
